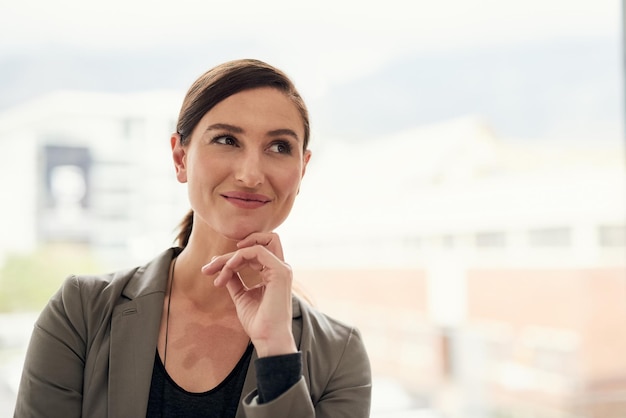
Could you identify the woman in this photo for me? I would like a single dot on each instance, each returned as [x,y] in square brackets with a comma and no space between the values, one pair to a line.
[187,335]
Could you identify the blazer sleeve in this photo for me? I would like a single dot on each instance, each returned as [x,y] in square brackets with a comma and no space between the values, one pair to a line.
[52,377]
[347,391]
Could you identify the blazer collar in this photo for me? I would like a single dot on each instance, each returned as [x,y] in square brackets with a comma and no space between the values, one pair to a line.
[152,277]
[134,332]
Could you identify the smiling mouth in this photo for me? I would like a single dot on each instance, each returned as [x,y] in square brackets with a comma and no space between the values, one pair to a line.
[250,200]
[246,200]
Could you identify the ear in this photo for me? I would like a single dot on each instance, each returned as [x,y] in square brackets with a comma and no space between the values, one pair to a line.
[179,155]
[305,159]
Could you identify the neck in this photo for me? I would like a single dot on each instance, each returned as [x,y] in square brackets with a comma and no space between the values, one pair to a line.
[190,283]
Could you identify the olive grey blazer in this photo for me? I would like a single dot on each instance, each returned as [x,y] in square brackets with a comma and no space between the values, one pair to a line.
[92,351]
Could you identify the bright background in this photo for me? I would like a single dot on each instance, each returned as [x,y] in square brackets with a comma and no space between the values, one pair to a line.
[464,205]
[395,54]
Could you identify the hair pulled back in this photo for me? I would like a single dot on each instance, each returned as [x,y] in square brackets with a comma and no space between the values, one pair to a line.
[216,85]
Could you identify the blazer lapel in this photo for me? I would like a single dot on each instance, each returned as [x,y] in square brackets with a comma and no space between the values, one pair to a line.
[134,334]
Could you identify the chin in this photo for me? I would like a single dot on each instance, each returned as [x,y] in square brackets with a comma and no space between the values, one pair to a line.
[240,233]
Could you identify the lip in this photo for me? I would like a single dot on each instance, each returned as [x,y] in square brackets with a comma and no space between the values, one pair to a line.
[246,200]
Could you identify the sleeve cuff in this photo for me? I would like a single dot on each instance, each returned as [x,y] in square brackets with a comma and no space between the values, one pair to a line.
[276,374]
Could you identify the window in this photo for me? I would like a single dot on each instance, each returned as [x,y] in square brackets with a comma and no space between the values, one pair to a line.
[550,237]
[612,235]
[490,239]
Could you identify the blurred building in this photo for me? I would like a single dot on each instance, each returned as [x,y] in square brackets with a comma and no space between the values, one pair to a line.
[487,274]
[93,169]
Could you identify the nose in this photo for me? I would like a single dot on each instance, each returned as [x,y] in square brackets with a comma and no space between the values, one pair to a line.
[249,170]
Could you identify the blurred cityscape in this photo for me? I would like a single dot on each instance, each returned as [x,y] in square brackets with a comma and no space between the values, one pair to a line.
[487,274]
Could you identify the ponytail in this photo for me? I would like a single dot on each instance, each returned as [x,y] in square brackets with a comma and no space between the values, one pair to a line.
[184,231]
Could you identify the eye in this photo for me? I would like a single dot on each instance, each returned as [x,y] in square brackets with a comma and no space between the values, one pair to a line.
[225,140]
[281,147]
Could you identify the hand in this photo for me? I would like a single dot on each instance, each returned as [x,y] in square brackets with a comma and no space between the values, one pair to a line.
[265,312]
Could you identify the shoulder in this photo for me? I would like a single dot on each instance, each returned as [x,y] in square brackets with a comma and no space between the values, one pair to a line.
[320,325]
[325,337]
[90,297]
[333,352]
[94,291]
[129,283]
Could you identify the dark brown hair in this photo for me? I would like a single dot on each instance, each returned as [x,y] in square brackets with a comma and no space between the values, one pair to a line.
[216,85]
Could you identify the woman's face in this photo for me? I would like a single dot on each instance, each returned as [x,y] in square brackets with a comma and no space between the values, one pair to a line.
[244,163]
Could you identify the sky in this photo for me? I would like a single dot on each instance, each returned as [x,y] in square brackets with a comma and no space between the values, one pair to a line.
[344,36]
[119,23]
[324,45]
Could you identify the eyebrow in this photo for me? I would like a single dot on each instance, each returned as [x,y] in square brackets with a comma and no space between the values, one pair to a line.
[225,127]
[238,130]
[284,132]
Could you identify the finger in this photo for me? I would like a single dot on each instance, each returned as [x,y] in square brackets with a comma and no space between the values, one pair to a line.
[256,257]
[234,286]
[250,277]
[216,264]
[269,240]
[225,275]
[243,264]
[256,238]
[253,266]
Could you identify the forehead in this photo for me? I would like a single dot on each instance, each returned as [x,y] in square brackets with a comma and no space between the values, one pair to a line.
[258,108]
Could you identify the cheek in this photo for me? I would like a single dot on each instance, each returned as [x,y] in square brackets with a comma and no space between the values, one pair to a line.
[291,182]
[204,169]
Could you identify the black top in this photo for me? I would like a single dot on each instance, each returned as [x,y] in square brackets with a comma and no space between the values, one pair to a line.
[167,399]
[275,375]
